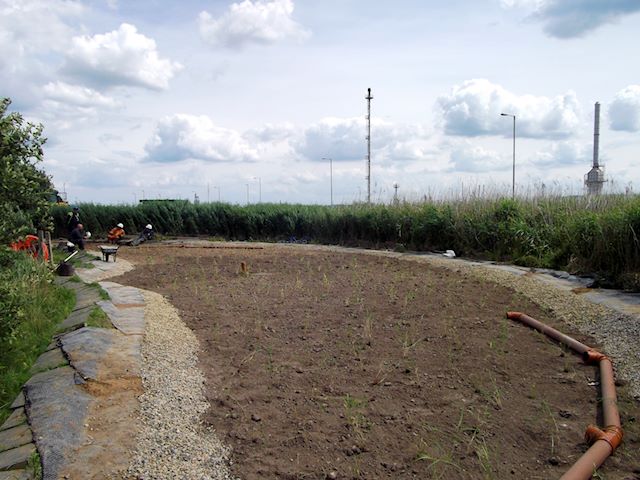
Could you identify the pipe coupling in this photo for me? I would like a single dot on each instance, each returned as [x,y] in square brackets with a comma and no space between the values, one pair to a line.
[593,356]
[612,435]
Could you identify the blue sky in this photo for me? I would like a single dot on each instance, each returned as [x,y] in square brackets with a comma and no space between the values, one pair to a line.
[237,100]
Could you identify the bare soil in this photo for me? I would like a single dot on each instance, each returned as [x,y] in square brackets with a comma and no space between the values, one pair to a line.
[335,365]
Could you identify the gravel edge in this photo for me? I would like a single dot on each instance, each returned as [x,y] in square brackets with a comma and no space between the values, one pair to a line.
[173,442]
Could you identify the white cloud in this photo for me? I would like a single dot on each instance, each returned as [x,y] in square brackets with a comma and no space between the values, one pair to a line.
[474,108]
[345,139]
[624,111]
[77,95]
[338,138]
[259,22]
[271,132]
[562,154]
[470,158]
[33,26]
[120,57]
[30,31]
[574,18]
[181,136]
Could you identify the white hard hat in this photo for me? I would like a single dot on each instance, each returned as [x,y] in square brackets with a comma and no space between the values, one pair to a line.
[69,244]
[120,225]
[149,226]
[87,235]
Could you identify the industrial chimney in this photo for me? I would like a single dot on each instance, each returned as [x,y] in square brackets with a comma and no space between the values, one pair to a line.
[595,178]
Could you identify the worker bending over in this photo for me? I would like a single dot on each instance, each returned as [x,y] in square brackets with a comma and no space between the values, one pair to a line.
[116,233]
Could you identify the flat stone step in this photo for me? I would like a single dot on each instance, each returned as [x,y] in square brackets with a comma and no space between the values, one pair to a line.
[123,295]
[58,408]
[15,437]
[103,354]
[77,319]
[16,475]
[129,321]
[86,298]
[19,401]
[18,417]
[17,457]
[48,360]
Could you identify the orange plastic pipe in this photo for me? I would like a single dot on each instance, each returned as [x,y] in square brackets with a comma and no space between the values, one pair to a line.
[604,442]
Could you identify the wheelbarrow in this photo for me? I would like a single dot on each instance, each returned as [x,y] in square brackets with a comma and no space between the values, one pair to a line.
[108,251]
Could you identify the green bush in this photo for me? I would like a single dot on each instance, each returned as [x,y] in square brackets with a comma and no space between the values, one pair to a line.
[24,189]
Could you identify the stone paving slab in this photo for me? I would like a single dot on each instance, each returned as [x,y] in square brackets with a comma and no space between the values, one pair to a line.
[77,319]
[52,345]
[18,417]
[15,475]
[102,270]
[623,302]
[86,298]
[57,412]
[17,457]
[19,401]
[103,354]
[123,295]
[48,360]
[129,321]
[15,437]
[60,280]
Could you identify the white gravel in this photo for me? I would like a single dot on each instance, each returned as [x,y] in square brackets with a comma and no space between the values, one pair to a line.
[172,442]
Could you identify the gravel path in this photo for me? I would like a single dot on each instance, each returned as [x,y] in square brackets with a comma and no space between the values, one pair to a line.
[173,443]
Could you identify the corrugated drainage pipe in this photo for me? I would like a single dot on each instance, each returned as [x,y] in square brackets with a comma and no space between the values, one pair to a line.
[603,442]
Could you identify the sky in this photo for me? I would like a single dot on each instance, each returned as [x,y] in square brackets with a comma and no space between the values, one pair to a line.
[264,100]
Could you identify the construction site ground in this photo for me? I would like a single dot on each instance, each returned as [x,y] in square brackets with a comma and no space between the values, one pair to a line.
[327,363]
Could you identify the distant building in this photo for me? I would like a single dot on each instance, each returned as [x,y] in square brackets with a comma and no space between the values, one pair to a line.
[594,180]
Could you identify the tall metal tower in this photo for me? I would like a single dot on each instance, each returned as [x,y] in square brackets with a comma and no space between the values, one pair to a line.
[368,98]
[594,180]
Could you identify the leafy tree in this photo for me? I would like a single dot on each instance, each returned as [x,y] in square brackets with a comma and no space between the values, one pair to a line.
[24,189]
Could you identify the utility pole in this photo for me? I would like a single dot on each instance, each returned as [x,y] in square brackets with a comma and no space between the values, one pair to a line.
[259,188]
[330,176]
[513,184]
[368,98]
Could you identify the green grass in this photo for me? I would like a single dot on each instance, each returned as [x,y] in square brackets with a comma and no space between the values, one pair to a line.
[97,318]
[30,308]
[34,465]
[101,291]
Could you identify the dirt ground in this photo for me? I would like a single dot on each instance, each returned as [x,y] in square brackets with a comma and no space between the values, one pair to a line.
[336,365]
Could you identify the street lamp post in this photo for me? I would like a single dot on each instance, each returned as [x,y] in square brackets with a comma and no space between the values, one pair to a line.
[247,194]
[259,188]
[330,176]
[513,186]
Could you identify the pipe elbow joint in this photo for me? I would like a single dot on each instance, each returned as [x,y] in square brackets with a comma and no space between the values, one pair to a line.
[593,356]
[612,435]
